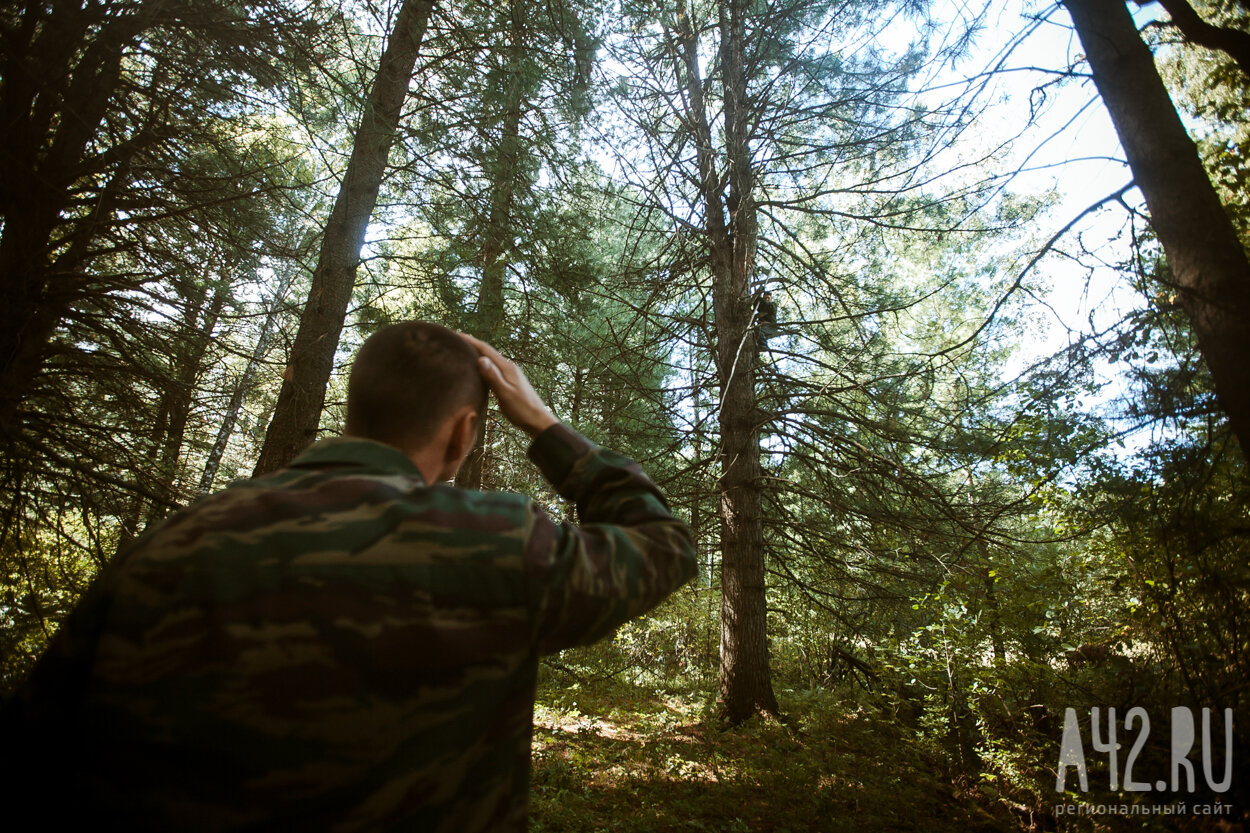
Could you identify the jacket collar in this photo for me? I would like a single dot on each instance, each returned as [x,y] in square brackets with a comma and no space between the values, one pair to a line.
[367,456]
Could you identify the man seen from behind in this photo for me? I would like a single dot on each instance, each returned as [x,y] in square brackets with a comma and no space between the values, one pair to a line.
[348,644]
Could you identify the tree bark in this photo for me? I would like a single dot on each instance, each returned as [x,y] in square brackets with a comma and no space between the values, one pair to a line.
[497,236]
[730,228]
[244,386]
[41,160]
[179,396]
[298,410]
[1203,248]
[173,409]
[1232,42]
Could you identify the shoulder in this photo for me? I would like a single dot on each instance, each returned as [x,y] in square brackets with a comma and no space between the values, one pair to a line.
[479,510]
[327,517]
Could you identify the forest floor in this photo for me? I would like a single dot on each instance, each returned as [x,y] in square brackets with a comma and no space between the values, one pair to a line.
[616,758]
[630,760]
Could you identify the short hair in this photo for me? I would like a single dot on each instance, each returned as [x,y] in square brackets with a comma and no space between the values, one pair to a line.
[409,377]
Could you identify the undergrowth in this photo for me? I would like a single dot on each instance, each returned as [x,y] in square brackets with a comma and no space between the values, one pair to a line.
[610,756]
[627,759]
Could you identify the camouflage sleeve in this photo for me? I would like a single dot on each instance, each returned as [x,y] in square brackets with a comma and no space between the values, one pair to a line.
[626,556]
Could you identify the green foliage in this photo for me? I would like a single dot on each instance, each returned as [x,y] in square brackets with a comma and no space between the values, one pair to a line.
[620,758]
[942,542]
[1210,85]
[675,646]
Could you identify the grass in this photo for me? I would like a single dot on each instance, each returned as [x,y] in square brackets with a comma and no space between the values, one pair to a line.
[628,760]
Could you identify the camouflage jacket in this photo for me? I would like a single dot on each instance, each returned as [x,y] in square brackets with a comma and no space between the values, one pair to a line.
[339,646]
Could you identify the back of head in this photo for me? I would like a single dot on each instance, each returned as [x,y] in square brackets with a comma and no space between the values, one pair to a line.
[407,379]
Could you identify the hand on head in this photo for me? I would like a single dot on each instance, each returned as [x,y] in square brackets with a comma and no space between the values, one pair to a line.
[518,401]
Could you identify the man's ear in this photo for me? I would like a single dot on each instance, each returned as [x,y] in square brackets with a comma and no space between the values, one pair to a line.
[463,435]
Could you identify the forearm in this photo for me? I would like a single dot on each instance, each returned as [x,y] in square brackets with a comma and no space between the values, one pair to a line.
[627,555]
[605,486]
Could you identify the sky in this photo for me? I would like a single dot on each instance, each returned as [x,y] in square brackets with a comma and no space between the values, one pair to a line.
[1069,148]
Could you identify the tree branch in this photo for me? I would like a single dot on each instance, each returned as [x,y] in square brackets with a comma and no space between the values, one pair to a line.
[1233,42]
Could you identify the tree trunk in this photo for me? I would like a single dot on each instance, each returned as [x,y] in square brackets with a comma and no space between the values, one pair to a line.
[298,411]
[41,158]
[497,237]
[1203,249]
[997,641]
[169,419]
[730,228]
[180,394]
[243,387]
[1232,42]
